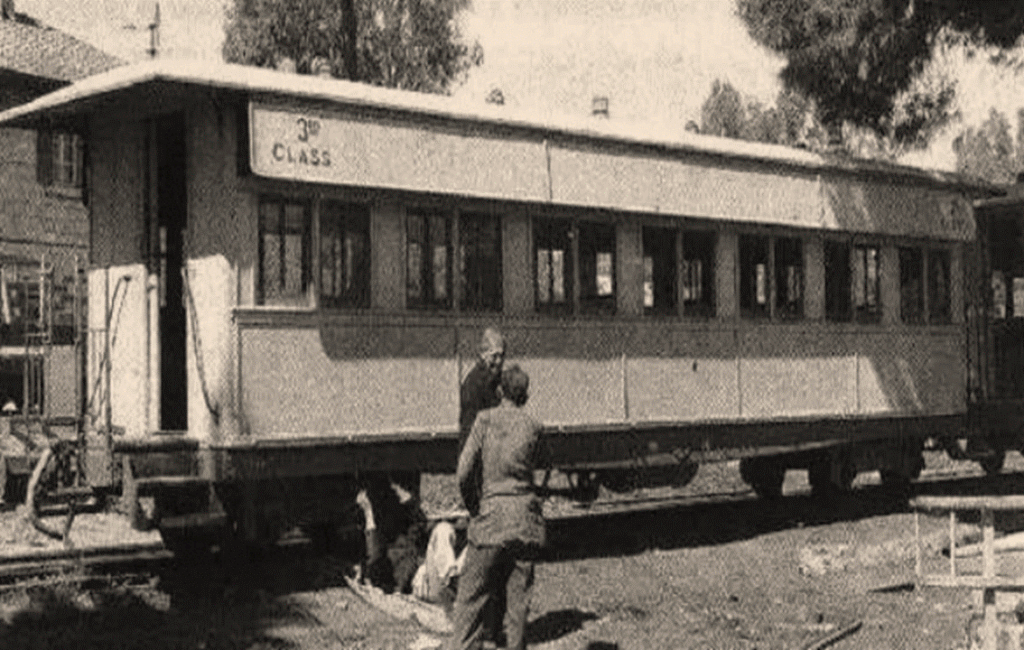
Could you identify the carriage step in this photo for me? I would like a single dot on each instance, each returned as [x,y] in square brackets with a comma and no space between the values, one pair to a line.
[162,443]
[194,521]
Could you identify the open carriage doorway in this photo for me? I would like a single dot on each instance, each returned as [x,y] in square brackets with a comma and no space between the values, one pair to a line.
[1006,251]
[172,213]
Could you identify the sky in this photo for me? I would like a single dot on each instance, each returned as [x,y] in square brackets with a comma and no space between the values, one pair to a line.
[655,60]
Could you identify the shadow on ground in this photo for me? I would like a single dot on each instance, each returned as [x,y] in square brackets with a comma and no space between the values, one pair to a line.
[708,524]
[230,601]
[554,625]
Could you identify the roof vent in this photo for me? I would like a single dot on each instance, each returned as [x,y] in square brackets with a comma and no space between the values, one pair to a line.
[599,106]
[7,10]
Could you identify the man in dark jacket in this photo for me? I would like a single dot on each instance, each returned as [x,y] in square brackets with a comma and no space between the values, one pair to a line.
[479,389]
[506,527]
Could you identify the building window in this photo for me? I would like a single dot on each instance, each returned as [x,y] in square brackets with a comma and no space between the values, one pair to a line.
[754,289]
[552,239]
[428,261]
[597,267]
[698,273]
[284,252]
[789,278]
[837,281]
[866,284]
[344,255]
[911,285]
[480,261]
[660,270]
[939,305]
[60,159]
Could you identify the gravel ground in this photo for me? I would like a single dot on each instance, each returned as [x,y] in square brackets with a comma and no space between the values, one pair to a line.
[745,574]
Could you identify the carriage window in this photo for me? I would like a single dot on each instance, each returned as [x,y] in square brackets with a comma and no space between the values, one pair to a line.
[344,255]
[789,277]
[939,306]
[911,285]
[866,288]
[554,263]
[754,290]
[698,271]
[837,281]
[428,261]
[597,267]
[284,252]
[480,261]
[659,270]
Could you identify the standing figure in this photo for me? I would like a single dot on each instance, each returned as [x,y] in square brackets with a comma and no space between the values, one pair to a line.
[506,526]
[479,389]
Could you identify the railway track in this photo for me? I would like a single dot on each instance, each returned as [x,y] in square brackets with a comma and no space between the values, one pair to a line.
[83,565]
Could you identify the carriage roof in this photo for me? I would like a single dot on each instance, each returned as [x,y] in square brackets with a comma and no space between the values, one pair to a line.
[501,153]
[83,96]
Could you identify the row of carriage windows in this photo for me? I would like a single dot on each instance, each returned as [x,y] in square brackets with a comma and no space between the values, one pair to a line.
[457,259]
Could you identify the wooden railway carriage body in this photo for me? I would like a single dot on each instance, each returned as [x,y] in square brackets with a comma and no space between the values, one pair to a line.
[292,274]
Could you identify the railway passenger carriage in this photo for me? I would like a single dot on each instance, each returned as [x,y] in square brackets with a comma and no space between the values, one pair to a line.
[289,276]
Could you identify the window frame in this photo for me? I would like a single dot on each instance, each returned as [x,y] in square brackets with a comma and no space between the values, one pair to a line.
[581,296]
[864,314]
[920,316]
[593,298]
[783,307]
[946,316]
[852,311]
[842,285]
[359,296]
[754,311]
[306,298]
[705,306]
[553,236]
[669,280]
[489,299]
[748,291]
[429,301]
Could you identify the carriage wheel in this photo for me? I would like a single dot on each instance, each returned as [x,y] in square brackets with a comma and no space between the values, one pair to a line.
[993,463]
[764,475]
[821,478]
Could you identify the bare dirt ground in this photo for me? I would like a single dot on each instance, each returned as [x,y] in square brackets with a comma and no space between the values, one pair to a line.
[740,574]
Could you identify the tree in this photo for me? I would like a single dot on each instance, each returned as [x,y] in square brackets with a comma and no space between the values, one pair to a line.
[987,152]
[790,122]
[408,44]
[858,59]
[722,112]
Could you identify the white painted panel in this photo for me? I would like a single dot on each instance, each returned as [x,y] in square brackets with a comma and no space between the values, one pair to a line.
[330,147]
[290,387]
[682,389]
[574,391]
[118,294]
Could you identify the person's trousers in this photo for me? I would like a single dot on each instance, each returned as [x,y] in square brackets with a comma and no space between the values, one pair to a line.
[488,573]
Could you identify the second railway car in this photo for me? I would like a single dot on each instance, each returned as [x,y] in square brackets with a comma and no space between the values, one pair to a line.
[289,275]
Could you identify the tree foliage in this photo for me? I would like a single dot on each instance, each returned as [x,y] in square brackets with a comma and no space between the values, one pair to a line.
[408,44]
[790,121]
[858,59]
[987,152]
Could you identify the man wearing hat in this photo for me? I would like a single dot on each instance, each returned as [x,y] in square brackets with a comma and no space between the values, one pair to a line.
[506,527]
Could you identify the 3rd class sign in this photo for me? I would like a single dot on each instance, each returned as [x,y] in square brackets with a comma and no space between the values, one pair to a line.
[288,144]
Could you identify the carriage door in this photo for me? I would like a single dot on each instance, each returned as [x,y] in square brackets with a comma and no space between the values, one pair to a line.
[1006,246]
[171,199]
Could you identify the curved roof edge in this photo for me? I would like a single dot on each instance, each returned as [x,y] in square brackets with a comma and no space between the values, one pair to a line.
[261,80]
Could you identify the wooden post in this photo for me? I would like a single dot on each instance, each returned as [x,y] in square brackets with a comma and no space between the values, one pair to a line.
[990,626]
[918,568]
[952,543]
